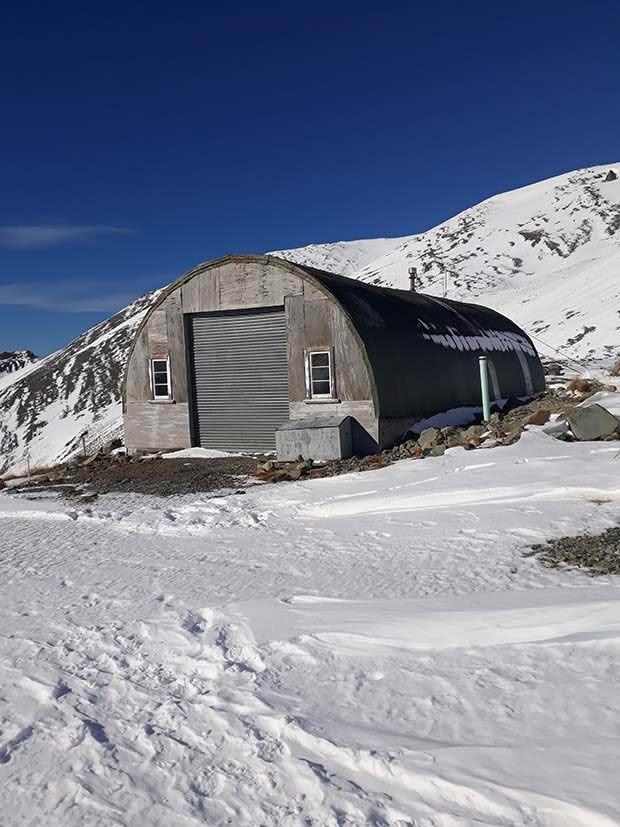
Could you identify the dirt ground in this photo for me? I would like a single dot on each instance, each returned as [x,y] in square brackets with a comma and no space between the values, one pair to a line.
[162,477]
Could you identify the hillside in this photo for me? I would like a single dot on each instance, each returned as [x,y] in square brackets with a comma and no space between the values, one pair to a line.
[547,255]
[75,390]
[12,361]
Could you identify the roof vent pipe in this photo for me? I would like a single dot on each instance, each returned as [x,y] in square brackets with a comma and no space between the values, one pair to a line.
[413,272]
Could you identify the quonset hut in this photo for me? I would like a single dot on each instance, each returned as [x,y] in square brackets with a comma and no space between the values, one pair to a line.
[247,345]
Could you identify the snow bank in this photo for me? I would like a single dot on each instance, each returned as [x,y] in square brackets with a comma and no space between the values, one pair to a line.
[366,649]
[199,453]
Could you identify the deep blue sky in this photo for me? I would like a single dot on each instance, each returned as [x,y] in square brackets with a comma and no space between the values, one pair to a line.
[159,135]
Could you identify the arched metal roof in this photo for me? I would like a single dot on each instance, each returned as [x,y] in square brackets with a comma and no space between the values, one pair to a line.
[422,351]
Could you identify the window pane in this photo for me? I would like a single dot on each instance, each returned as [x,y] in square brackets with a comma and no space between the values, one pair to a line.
[320,373]
[160,377]
[161,390]
[320,388]
[160,364]
[319,359]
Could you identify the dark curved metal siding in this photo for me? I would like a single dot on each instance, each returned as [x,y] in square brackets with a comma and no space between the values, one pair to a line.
[424,351]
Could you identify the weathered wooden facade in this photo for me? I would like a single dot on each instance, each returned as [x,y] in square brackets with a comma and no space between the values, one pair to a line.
[239,345]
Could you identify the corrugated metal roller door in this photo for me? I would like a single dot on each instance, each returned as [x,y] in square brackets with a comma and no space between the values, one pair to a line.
[240,373]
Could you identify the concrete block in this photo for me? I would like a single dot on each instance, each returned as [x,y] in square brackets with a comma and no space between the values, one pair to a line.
[318,438]
[591,422]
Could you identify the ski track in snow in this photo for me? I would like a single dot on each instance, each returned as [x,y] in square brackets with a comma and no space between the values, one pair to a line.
[371,649]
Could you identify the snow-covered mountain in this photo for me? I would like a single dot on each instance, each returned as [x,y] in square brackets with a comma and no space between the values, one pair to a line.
[14,360]
[346,258]
[50,403]
[547,255]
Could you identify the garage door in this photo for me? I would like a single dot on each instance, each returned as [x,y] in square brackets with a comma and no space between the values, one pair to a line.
[240,376]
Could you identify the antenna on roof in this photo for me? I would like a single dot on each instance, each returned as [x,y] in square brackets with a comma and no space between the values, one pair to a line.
[413,272]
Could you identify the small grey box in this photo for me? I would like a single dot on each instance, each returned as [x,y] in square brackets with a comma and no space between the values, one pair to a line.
[318,437]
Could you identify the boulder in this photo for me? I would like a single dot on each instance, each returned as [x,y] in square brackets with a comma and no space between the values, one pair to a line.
[429,438]
[2,484]
[513,436]
[278,476]
[474,431]
[591,422]
[553,369]
[539,417]
[451,437]
[450,432]
[438,450]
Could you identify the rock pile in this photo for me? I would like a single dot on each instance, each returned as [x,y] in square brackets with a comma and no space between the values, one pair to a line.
[599,553]
[504,428]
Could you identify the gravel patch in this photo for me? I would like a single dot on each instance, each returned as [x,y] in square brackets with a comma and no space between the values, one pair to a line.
[598,553]
[165,477]
[161,477]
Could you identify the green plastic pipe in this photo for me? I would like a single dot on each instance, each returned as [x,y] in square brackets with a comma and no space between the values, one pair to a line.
[484,387]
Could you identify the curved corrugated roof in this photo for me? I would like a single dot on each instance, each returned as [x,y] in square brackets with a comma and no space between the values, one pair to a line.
[422,350]
[434,345]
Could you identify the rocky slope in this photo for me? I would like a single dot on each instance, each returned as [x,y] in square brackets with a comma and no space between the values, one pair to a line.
[547,255]
[50,404]
[13,360]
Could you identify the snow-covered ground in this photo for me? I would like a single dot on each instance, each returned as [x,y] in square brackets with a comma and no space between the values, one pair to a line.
[372,649]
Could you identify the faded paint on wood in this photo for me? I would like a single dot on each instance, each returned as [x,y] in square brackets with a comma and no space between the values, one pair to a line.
[312,293]
[138,386]
[351,370]
[294,306]
[154,426]
[158,335]
[176,347]
[201,294]
[317,323]
[255,285]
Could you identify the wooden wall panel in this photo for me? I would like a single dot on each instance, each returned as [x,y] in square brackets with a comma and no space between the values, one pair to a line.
[153,426]
[317,323]
[352,380]
[255,285]
[312,293]
[158,335]
[201,294]
[294,306]
[138,385]
[176,347]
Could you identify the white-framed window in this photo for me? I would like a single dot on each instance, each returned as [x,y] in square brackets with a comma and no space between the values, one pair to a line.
[319,373]
[160,378]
